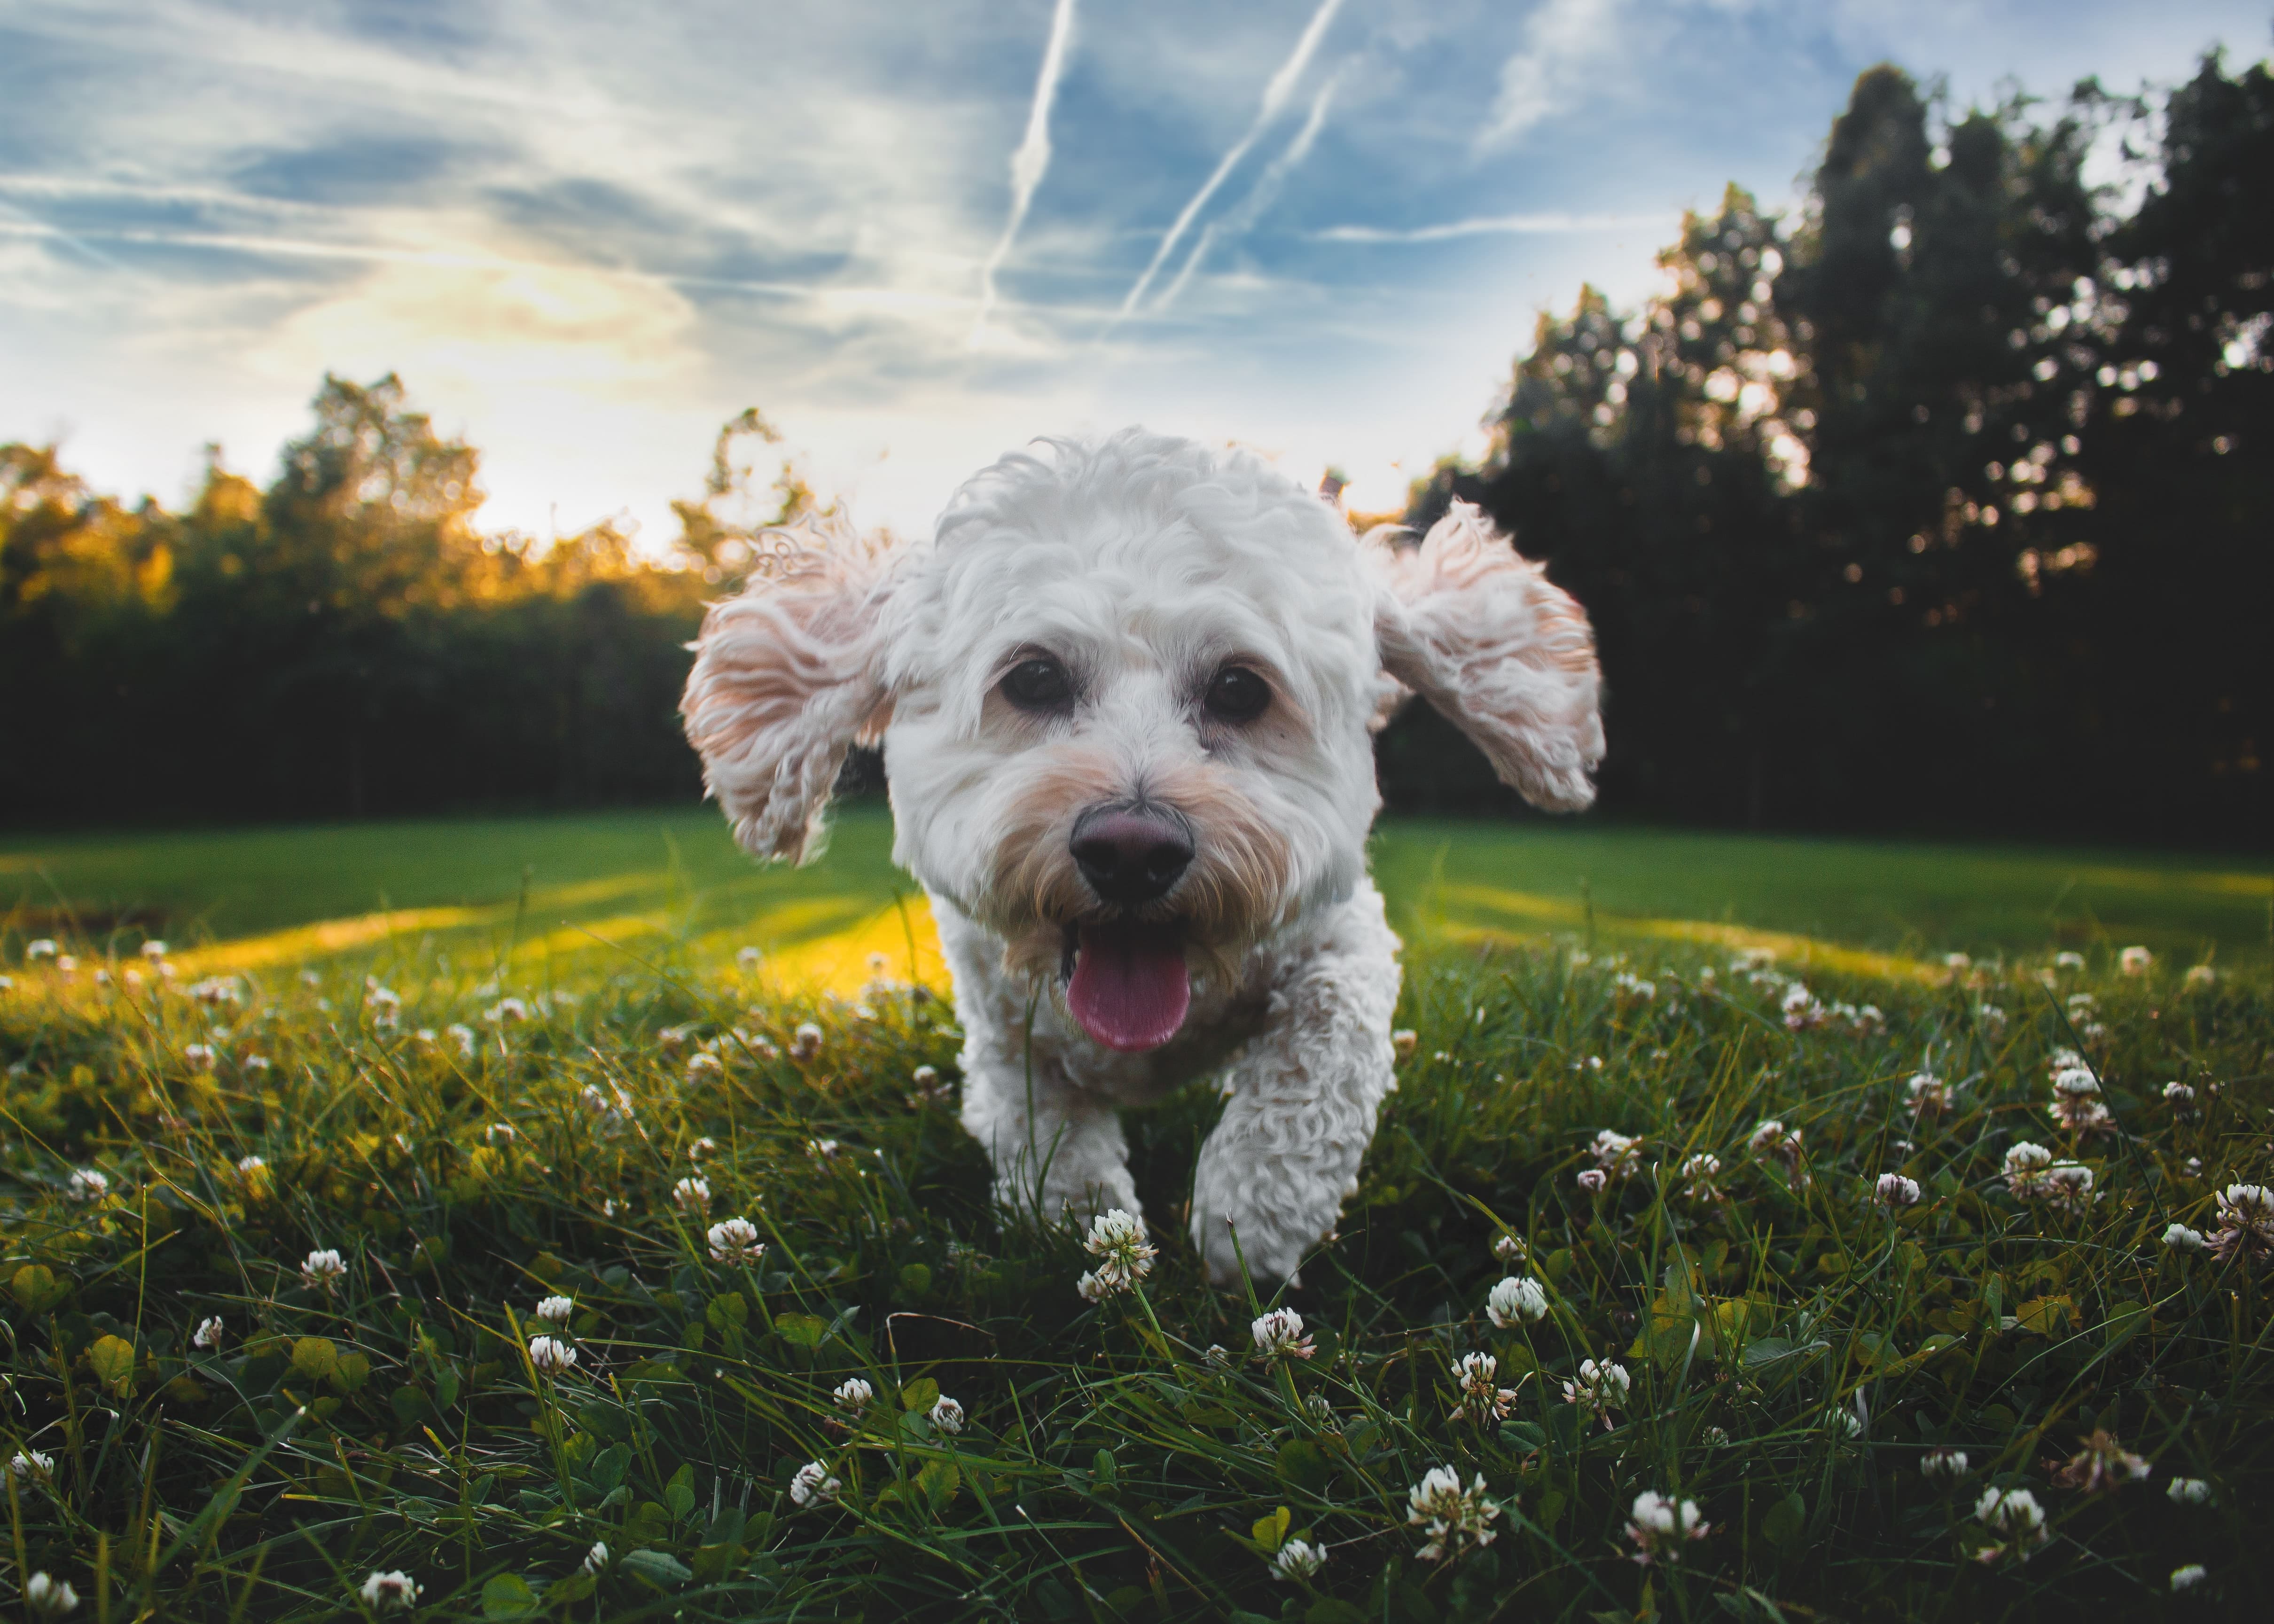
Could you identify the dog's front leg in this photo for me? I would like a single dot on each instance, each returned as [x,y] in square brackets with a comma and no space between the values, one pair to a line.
[1304,1098]
[1056,1148]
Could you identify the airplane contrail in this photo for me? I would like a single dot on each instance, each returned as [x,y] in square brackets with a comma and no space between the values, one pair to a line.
[1030,162]
[1275,98]
[1261,195]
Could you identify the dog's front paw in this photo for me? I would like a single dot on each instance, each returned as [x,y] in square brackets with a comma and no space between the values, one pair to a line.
[1271,1253]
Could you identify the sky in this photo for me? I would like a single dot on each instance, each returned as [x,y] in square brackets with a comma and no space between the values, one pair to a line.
[916,235]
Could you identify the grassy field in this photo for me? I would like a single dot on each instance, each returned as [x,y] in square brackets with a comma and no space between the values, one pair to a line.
[388,1045]
[638,878]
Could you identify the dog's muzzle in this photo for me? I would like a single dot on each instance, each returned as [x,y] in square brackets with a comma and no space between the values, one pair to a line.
[1126,980]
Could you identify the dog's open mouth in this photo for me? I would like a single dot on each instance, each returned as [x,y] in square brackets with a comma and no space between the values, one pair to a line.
[1128,987]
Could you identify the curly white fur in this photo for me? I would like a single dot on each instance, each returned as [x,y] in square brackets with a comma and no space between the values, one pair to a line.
[1144,564]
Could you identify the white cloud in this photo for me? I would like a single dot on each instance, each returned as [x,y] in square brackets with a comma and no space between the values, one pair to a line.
[1566,45]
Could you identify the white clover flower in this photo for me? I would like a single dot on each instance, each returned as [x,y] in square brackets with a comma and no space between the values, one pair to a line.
[2188,1491]
[2068,1186]
[323,1268]
[1518,1299]
[947,1415]
[749,957]
[1592,1180]
[1216,1356]
[2134,960]
[805,1042]
[2068,961]
[1699,1173]
[551,1356]
[1773,1141]
[1279,1333]
[2180,1094]
[2199,975]
[1479,1396]
[854,1396]
[49,1596]
[1716,1437]
[1618,1155]
[1991,1019]
[2025,1169]
[705,1067]
[1600,1389]
[1404,1042]
[597,1557]
[1454,1517]
[2015,1513]
[1628,986]
[1659,1527]
[200,1055]
[1893,1190]
[821,1150]
[2102,1463]
[2246,1222]
[556,1309]
[506,1011]
[1509,1250]
[691,1195]
[209,1332]
[1298,1560]
[1846,1422]
[1094,1286]
[1116,1240]
[735,1240]
[391,1591]
[255,1065]
[214,990]
[2179,1238]
[612,1107]
[1802,1009]
[813,1485]
[154,948]
[1322,1410]
[66,963]
[1939,1464]
[87,1184]
[500,1134]
[701,1149]
[1929,1093]
[1956,961]
[31,1466]
[2188,1577]
[44,948]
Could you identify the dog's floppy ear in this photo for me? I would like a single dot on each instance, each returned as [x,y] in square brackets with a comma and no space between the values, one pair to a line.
[787,677]
[1477,631]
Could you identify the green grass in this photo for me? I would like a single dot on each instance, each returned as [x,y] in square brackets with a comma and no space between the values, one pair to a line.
[1889,896]
[1794,1347]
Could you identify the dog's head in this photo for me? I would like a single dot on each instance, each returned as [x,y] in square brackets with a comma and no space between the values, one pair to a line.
[1126,696]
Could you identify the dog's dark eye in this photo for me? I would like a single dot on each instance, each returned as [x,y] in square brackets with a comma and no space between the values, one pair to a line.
[1038,684]
[1237,694]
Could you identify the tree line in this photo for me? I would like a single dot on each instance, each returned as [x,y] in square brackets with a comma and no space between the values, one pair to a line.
[346,643]
[1942,504]
[1939,505]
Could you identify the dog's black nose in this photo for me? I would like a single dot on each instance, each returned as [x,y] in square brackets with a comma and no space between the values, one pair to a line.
[1130,855]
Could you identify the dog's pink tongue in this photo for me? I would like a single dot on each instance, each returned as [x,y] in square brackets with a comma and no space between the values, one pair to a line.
[1129,989]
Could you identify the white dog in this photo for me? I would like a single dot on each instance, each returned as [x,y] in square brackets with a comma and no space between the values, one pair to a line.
[1125,697]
